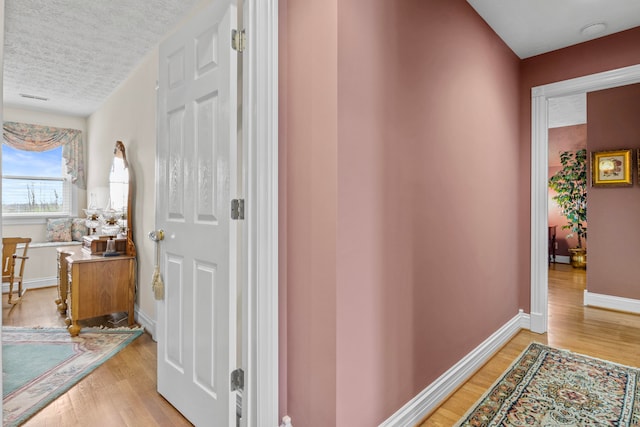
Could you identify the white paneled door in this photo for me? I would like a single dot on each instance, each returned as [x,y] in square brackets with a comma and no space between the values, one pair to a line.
[197,170]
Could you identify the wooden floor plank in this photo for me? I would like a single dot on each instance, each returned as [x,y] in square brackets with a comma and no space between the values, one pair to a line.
[120,392]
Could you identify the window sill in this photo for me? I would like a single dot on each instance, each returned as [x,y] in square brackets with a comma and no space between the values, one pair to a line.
[29,220]
[53,244]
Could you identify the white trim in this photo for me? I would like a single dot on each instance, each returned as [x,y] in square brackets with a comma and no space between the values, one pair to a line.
[563,259]
[612,302]
[525,320]
[52,244]
[260,139]
[145,321]
[539,215]
[539,170]
[28,220]
[432,396]
[599,81]
[42,282]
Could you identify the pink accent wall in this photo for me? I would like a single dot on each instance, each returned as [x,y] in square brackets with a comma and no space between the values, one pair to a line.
[566,138]
[427,175]
[283,201]
[614,229]
[401,235]
[308,157]
[607,53]
[404,195]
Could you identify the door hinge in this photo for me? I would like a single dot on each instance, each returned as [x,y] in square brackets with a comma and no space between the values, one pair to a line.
[237,380]
[238,40]
[237,385]
[237,209]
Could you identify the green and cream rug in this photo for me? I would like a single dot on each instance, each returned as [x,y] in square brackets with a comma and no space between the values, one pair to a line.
[40,364]
[550,387]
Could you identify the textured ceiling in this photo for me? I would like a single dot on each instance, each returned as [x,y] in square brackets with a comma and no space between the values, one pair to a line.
[76,52]
[532,27]
[567,110]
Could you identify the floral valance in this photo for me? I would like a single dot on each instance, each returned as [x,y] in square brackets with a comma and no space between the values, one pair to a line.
[27,137]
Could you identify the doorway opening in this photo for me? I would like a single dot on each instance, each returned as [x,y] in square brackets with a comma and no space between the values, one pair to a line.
[540,97]
[567,192]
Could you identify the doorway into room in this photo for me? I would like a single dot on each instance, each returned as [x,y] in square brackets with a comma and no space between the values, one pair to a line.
[567,141]
[567,136]
[541,95]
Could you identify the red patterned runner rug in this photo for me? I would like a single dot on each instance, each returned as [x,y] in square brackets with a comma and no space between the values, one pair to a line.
[551,387]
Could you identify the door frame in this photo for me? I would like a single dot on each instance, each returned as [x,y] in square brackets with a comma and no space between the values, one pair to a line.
[261,96]
[260,158]
[539,174]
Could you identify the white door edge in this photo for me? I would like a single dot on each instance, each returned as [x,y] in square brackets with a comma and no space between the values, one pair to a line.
[539,172]
[260,137]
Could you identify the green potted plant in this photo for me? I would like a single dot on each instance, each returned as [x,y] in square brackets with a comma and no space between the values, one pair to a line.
[570,184]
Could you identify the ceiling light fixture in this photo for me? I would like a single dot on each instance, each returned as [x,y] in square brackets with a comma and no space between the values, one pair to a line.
[36,97]
[593,29]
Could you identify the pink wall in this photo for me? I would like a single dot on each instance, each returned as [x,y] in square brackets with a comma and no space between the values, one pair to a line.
[427,175]
[283,201]
[400,233]
[405,153]
[613,268]
[607,53]
[566,138]
[308,134]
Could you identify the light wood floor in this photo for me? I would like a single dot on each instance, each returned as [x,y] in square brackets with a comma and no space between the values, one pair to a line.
[595,332]
[121,392]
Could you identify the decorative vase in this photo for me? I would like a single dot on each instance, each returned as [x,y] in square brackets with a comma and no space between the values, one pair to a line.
[578,257]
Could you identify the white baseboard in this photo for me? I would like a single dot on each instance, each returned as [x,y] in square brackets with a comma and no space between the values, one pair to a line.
[611,302]
[148,323]
[563,259]
[286,421]
[525,321]
[43,282]
[432,396]
[538,321]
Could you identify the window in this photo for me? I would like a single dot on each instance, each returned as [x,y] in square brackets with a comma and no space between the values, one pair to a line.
[34,184]
[42,168]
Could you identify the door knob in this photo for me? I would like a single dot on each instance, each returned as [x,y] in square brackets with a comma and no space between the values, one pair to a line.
[156,235]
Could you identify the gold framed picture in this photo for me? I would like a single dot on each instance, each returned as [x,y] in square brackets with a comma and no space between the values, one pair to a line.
[611,168]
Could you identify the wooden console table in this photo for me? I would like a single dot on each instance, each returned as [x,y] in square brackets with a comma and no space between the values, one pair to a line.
[94,285]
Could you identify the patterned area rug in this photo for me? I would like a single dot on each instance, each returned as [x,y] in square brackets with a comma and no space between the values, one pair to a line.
[550,387]
[38,365]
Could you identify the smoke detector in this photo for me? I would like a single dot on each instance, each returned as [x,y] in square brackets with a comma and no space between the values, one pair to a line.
[593,29]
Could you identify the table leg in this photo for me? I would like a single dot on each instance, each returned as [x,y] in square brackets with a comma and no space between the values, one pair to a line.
[132,293]
[61,301]
[74,329]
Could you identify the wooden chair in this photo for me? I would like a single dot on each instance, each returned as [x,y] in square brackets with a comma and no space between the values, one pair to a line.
[10,272]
